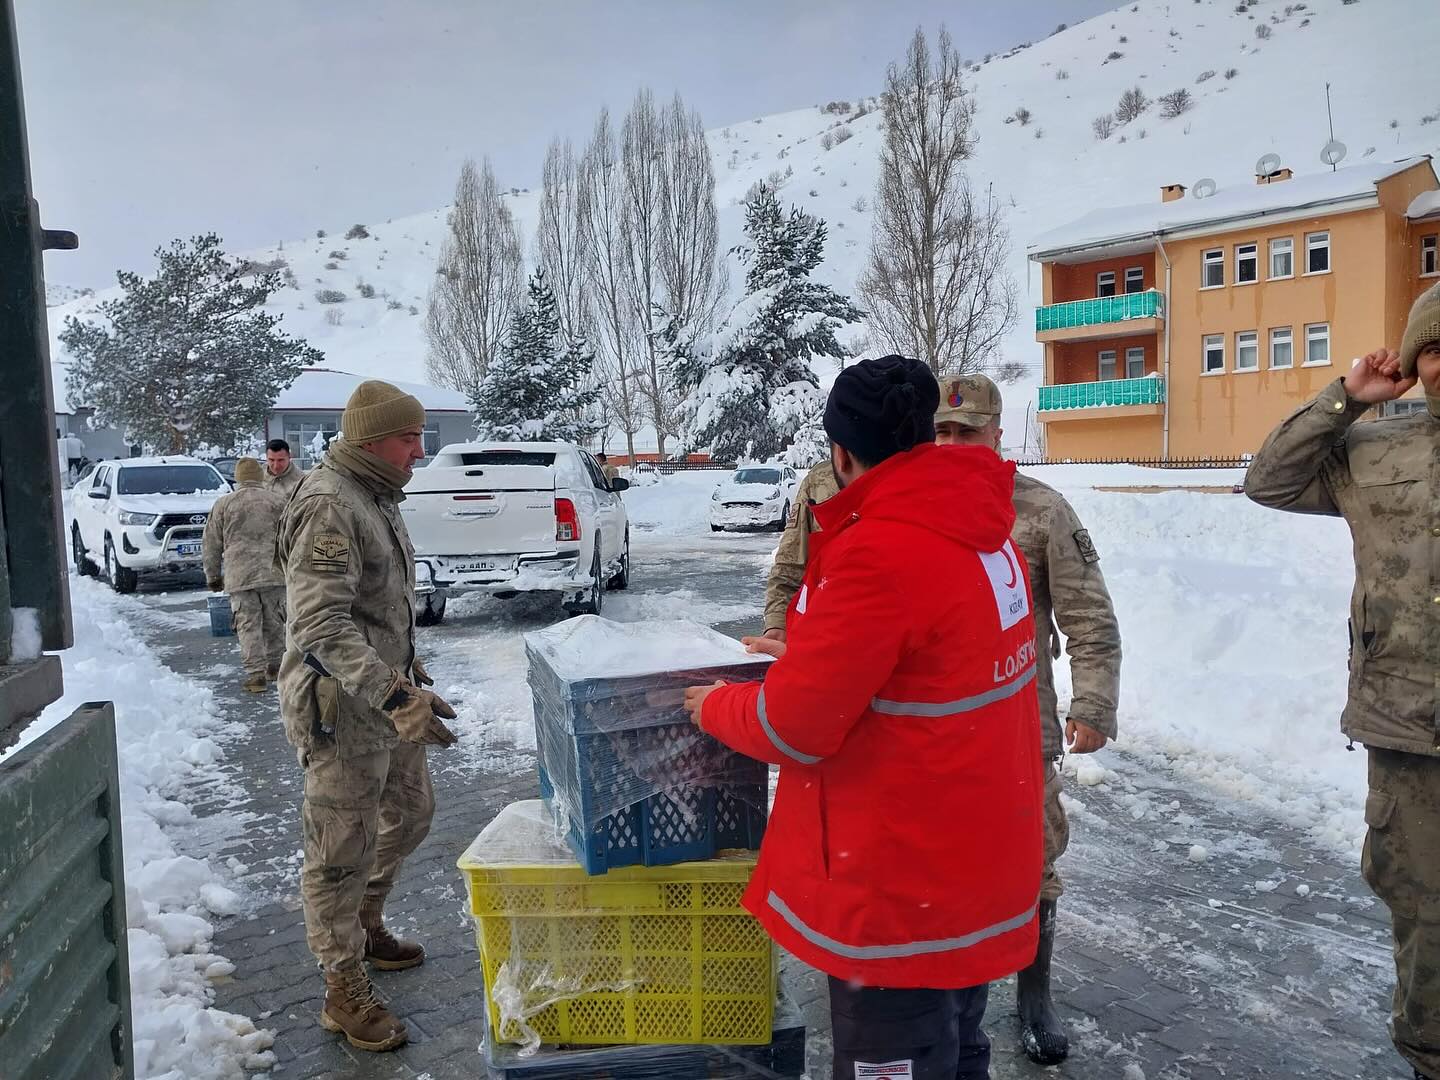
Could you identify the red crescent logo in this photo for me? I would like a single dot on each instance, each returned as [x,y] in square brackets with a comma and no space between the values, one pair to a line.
[1014,570]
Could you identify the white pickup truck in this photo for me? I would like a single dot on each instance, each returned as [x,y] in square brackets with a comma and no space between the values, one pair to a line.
[507,518]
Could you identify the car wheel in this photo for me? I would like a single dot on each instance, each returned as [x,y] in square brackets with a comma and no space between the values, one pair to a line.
[784,518]
[714,528]
[594,599]
[431,611]
[621,580]
[121,579]
[83,566]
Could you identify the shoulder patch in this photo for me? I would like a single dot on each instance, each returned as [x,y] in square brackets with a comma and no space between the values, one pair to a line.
[330,553]
[1086,546]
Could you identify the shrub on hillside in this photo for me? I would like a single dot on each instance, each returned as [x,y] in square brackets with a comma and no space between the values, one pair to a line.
[1263,32]
[1114,56]
[1204,76]
[332,266]
[319,234]
[1103,126]
[1175,103]
[365,289]
[393,305]
[1062,74]
[330,296]
[1024,115]
[1132,103]
[357,232]
[1230,73]
[334,316]
[843,134]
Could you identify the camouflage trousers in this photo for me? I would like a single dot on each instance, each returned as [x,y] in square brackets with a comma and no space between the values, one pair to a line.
[1057,835]
[362,815]
[259,616]
[1401,863]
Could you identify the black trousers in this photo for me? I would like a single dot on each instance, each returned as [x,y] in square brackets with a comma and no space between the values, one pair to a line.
[919,1034]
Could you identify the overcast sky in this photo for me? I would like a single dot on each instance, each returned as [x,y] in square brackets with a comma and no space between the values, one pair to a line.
[266,119]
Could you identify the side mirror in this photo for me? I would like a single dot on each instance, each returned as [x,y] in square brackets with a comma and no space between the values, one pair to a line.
[619,484]
[100,494]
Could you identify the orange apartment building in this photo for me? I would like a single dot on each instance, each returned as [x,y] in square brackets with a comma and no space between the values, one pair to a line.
[1191,326]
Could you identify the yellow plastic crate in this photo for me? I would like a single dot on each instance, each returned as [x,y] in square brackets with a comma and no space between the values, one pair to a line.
[641,955]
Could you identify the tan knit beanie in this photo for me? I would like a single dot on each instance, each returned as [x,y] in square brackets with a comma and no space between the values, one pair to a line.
[377,409]
[1422,328]
[248,470]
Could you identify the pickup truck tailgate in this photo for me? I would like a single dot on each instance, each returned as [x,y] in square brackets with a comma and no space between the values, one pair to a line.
[481,509]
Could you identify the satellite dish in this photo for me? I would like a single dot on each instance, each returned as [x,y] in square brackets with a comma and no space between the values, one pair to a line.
[1268,163]
[1333,153]
[1203,188]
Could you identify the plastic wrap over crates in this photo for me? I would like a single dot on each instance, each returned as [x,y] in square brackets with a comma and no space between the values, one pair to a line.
[642,955]
[629,777]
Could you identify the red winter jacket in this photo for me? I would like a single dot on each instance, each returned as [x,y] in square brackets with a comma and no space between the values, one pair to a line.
[904,849]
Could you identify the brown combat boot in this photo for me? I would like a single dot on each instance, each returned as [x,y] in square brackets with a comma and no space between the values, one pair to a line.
[256,683]
[354,1008]
[383,949]
[273,674]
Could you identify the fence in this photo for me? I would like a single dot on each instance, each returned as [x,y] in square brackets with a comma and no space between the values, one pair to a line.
[1149,463]
[1101,310]
[1092,395]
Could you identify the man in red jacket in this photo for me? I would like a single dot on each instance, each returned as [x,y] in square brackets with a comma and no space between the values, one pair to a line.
[903,854]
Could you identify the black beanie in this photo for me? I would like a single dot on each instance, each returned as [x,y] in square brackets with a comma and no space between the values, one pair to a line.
[880,408]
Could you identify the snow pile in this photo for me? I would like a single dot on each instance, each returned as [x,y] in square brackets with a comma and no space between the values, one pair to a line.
[674,504]
[167,731]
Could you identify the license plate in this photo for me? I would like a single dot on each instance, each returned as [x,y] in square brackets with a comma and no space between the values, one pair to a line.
[188,549]
[482,566]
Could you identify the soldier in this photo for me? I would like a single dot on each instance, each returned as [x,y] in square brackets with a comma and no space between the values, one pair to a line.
[1068,588]
[241,534]
[1381,478]
[353,703]
[788,569]
[606,468]
[281,472]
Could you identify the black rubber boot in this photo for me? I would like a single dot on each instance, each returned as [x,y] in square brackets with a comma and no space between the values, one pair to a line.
[1042,1034]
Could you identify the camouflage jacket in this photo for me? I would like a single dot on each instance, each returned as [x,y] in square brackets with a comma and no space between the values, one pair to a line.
[1068,588]
[350,580]
[240,535]
[286,482]
[1382,477]
[788,570]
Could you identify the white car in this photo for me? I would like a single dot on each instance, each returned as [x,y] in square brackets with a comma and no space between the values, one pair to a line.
[756,497]
[142,516]
[507,518]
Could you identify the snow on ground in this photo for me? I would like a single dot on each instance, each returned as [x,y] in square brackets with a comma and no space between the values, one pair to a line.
[170,738]
[677,504]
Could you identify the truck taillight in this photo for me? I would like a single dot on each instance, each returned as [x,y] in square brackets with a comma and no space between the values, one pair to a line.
[567,521]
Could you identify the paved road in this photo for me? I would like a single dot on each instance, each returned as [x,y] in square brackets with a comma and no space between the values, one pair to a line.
[1168,967]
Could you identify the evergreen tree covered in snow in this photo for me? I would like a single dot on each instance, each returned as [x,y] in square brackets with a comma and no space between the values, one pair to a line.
[751,388]
[187,358]
[538,389]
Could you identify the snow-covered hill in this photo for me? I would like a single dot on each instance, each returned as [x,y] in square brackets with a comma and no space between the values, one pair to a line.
[1252,94]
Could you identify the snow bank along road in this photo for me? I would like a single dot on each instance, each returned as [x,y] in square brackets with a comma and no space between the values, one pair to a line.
[1215,924]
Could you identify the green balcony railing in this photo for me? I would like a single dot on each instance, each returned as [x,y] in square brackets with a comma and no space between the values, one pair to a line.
[1103,309]
[1095,395]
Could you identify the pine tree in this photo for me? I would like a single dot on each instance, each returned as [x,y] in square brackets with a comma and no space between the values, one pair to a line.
[187,358]
[538,388]
[750,388]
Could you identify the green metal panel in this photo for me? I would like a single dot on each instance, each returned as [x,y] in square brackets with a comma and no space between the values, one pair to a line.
[64,989]
[1103,309]
[1093,395]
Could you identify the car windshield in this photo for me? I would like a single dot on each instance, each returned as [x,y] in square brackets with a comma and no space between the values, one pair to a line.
[169,480]
[758,476]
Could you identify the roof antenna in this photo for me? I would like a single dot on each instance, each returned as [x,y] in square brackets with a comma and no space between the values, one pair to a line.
[1330,119]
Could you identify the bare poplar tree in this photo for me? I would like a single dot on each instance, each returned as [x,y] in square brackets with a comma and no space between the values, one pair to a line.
[936,283]
[478,283]
[690,268]
[559,247]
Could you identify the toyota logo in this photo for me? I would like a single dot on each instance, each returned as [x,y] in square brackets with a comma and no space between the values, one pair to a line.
[197,519]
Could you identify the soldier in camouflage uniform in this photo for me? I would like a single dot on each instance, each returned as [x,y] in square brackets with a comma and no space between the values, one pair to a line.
[1068,588]
[240,535]
[353,703]
[788,570]
[1381,477]
[281,472]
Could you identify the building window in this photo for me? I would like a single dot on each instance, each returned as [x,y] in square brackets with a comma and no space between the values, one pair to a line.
[1317,344]
[1429,261]
[1135,363]
[1135,276]
[1105,283]
[1247,351]
[1403,407]
[1317,253]
[1212,274]
[1107,365]
[310,436]
[1282,347]
[1282,258]
[1214,355]
[1247,263]
[431,441]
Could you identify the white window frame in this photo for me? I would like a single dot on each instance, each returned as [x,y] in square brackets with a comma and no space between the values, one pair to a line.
[1430,256]
[1289,339]
[1207,343]
[1136,273]
[1247,253]
[1241,344]
[1313,243]
[1212,257]
[1323,336]
[1100,283]
[1282,245]
[1130,354]
[1100,365]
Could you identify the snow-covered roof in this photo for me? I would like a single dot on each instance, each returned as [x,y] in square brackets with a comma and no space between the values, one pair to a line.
[324,388]
[1425,205]
[1241,201]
